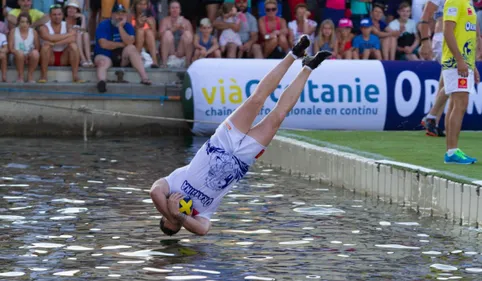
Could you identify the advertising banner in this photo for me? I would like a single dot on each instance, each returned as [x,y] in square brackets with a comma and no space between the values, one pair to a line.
[339,95]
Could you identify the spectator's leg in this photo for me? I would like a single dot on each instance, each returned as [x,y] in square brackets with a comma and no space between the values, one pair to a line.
[132,56]
[186,47]
[46,59]
[231,50]
[348,55]
[102,64]
[33,59]
[366,54]
[19,64]
[80,46]
[376,54]
[212,10]
[284,43]
[71,56]
[393,48]
[217,54]
[140,39]
[3,58]
[356,54]
[151,46]
[386,48]
[106,8]
[256,51]
[269,46]
[197,54]
[87,50]
[167,47]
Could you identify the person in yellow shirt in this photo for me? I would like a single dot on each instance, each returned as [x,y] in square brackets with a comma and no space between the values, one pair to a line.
[38,18]
[459,71]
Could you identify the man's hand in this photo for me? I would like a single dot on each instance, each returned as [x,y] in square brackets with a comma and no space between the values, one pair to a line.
[246,47]
[462,68]
[476,75]
[122,22]
[142,21]
[408,50]
[173,203]
[426,50]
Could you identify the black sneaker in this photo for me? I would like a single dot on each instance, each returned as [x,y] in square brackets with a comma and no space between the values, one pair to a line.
[314,61]
[440,132]
[101,86]
[300,47]
[431,128]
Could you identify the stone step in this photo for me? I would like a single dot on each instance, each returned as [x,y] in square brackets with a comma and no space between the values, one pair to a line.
[64,74]
[88,91]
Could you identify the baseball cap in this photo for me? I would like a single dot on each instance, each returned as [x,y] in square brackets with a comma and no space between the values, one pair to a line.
[119,8]
[205,22]
[366,22]
[345,23]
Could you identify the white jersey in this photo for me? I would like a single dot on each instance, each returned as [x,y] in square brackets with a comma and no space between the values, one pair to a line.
[220,163]
[63,30]
[440,8]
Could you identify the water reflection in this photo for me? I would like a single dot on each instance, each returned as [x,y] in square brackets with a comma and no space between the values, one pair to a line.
[79,212]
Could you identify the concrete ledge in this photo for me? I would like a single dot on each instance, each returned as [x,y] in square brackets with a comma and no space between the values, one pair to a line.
[408,186]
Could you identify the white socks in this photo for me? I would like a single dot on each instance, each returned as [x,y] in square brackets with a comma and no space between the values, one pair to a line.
[307,67]
[430,116]
[451,152]
[293,55]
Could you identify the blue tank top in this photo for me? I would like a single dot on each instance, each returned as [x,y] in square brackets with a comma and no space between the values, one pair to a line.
[207,44]
[326,47]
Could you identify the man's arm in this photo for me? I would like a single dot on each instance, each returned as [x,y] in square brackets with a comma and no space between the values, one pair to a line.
[219,24]
[125,32]
[54,38]
[197,225]
[426,45]
[43,20]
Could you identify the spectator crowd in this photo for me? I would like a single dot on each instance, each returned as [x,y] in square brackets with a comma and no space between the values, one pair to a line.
[162,33]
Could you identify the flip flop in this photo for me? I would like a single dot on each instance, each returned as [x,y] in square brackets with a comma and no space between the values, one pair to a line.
[146,82]
[79,81]
[42,81]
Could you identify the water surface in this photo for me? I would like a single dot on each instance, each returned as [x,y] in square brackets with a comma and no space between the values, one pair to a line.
[75,211]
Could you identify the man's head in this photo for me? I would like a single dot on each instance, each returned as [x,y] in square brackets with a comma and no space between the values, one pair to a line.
[404,10]
[242,5]
[300,11]
[119,13]
[174,9]
[366,26]
[25,5]
[56,14]
[169,228]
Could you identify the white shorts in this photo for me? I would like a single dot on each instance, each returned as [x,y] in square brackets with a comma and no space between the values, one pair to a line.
[455,83]
[437,43]
[241,145]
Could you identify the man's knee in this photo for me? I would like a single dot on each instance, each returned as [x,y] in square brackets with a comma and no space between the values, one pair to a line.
[167,37]
[187,37]
[73,47]
[46,47]
[460,101]
[129,49]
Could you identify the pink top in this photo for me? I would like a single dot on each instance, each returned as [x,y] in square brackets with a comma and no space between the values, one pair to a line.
[336,4]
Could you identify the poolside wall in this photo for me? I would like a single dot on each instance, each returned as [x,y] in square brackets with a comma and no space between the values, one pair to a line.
[427,194]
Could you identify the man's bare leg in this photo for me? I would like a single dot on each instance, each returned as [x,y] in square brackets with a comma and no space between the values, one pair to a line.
[266,129]
[244,116]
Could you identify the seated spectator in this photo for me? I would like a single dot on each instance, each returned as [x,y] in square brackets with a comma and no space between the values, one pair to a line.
[3,56]
[59,46]
[24,44]
[326,40]
[274,32]
[229,14]
[366,45]
[360,9]
[345,37]
[106,7]
[302,25]
[76,20]
[176,34]
[407,43]
[114,46]
[145,27]
[249,32]
[205,44]
[38,18]
[334,10]
[388,39]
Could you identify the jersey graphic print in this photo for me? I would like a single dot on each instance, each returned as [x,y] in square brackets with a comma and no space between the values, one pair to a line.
[224,168]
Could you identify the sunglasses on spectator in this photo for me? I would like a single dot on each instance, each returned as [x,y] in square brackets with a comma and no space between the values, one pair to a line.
[55,6]
[271,9]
